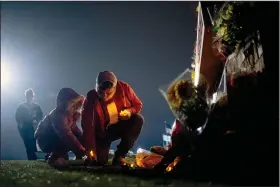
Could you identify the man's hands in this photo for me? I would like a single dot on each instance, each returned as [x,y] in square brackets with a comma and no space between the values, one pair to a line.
[125,114]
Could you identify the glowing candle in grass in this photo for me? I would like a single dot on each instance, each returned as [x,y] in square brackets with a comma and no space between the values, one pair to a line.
[169,168]
[91,153]
[173,164]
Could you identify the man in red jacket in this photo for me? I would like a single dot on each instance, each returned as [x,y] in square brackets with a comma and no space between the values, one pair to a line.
[111,112]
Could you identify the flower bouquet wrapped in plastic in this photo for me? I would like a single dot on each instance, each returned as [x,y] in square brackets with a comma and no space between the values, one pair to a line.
[191,106]
[188,101]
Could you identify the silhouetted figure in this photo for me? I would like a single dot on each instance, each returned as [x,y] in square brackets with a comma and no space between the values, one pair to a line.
[111,112]
[58,133]
[28,115]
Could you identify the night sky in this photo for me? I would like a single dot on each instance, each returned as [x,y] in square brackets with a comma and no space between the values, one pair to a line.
[51,45]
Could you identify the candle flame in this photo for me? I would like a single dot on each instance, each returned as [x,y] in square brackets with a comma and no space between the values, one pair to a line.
[173,164]
[176,161]
[91,153]
[169,168]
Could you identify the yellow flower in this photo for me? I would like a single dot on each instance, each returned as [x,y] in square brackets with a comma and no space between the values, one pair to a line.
[192,75]
[178,92]
[230,8]
[222,31]
[198,8]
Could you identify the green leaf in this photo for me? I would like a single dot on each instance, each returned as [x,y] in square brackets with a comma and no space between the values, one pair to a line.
[229,11]
[230,7]
[219,21]
[226,16]
[216,29]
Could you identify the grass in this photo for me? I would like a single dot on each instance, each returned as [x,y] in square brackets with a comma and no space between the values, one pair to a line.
[38,173]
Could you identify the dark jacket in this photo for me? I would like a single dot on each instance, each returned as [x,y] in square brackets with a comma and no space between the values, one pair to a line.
[95,117]
[25,114]
[60,123]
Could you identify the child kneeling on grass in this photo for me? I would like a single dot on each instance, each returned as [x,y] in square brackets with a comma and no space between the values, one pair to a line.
[58,133]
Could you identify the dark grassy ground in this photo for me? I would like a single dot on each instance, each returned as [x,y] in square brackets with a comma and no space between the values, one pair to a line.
[38,173]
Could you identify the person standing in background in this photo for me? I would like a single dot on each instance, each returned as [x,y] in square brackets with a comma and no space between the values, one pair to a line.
[28,115]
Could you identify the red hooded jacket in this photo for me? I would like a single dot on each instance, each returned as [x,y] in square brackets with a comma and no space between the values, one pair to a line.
[95,117]
[58,125]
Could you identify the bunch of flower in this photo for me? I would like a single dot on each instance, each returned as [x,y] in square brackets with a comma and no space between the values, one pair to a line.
[188,102]
[233,25]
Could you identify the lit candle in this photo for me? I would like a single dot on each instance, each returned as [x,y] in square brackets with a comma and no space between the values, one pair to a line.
[91,153]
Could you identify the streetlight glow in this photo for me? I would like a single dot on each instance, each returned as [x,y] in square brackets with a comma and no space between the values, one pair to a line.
[5,76]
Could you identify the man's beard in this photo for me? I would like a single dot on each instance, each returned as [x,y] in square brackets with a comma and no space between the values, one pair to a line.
[109,97]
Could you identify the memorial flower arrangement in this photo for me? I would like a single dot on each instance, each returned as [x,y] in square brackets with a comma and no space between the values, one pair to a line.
[232,26]
[188,102]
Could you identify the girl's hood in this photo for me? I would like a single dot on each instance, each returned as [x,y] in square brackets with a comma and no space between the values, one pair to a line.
[67,97]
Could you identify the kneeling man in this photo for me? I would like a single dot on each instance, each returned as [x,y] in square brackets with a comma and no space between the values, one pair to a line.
[111,112]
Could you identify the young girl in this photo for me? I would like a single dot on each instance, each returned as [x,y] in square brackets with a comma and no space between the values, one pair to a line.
[58,132]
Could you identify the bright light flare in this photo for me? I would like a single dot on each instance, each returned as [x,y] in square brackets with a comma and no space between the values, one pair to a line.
[5,76]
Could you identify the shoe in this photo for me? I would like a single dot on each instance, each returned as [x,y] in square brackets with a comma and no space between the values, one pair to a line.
[119,161]
[66,156]
[47,156]
[58,161]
